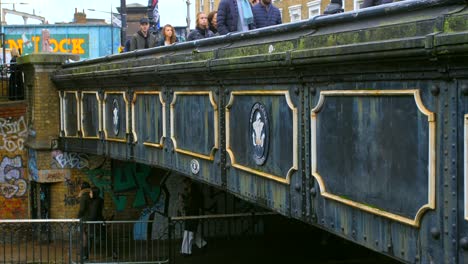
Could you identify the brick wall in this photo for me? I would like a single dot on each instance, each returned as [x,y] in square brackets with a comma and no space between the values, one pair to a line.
[14,196]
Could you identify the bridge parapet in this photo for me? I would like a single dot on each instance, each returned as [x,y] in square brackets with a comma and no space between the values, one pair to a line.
[350,122]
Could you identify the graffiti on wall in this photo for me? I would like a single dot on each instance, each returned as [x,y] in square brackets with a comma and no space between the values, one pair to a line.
[69,160]
[70,43]
[73,188]
[12,134]
[12,183]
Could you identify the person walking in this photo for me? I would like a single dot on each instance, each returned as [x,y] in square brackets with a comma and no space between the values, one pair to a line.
[143,39]
[266,14]
[84,215]
[235,16]
[193,206]
[201,30]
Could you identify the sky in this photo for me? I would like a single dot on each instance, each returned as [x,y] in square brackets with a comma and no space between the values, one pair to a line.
[172,11]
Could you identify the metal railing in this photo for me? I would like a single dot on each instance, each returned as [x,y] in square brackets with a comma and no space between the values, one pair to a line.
[75,241]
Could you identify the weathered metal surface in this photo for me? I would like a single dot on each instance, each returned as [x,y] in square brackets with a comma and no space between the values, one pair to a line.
[353,122]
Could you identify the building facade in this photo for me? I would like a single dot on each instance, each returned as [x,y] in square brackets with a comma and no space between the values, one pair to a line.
[291,10]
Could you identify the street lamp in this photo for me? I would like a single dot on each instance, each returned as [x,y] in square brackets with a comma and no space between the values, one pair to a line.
[2,21]
[111,24]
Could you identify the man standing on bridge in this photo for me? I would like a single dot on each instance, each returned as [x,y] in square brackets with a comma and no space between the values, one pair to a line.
[266,14]
[143,39]
[235,16]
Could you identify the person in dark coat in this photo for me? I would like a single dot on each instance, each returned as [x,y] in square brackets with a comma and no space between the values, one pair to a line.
[235,16]
[143,39]
[201,30]
[369,3]
[84,215]
[193,206]
[213,22]
[335,7]
[15,82]
[266,14]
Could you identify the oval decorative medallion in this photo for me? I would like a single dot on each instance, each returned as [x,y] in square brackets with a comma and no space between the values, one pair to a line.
[259,131]
[194,166]
[115,117]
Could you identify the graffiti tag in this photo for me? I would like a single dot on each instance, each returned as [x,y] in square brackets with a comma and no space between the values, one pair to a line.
[12,134]
[71,160]
[11,177]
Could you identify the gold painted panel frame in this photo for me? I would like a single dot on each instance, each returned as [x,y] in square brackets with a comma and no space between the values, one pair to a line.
[163,104]
[104,118]
[99,114]
[215,122]
[432,153]
[465,164]
[64,116]
[234,164]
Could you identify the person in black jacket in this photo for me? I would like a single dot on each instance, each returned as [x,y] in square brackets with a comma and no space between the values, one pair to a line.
[369,3]
[201,30]
[266,14]
[15,82]
[84,214]
[235,16]
[193,205]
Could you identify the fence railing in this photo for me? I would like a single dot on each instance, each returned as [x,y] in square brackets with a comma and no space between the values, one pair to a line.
[75,241]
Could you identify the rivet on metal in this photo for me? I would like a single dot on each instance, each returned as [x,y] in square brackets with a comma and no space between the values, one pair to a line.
[464,89]
[435,90]
[464,243]
[313,191]
[297,187]
[435,232]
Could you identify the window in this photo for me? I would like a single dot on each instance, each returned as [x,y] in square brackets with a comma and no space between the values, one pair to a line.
[357,4]
[314,8]
[295,13]
[211,5]
[202,7]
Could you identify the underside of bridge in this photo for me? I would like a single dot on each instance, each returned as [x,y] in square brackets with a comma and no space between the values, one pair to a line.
[351,122]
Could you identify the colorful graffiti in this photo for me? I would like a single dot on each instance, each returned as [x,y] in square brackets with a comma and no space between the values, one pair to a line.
[12,183]
[70,43]
[69,160]
[32,165]
[12,134]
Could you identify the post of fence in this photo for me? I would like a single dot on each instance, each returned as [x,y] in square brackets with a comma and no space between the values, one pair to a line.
[170,240]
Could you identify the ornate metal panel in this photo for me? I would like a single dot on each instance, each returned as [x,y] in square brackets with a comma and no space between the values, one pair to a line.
[261,133]
[91,114]
[194,124]
[384,141]
[115,116]
[70,114]
[149,118]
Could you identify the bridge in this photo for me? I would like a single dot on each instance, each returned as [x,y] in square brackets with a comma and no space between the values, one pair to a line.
[355,123]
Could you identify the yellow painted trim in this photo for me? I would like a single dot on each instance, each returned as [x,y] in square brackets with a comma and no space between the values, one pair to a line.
[163,104]
[77,115]
[432,153]
[234,164]
[127,125]
[215,123]
[465,164]
[99,113]
[62,115]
